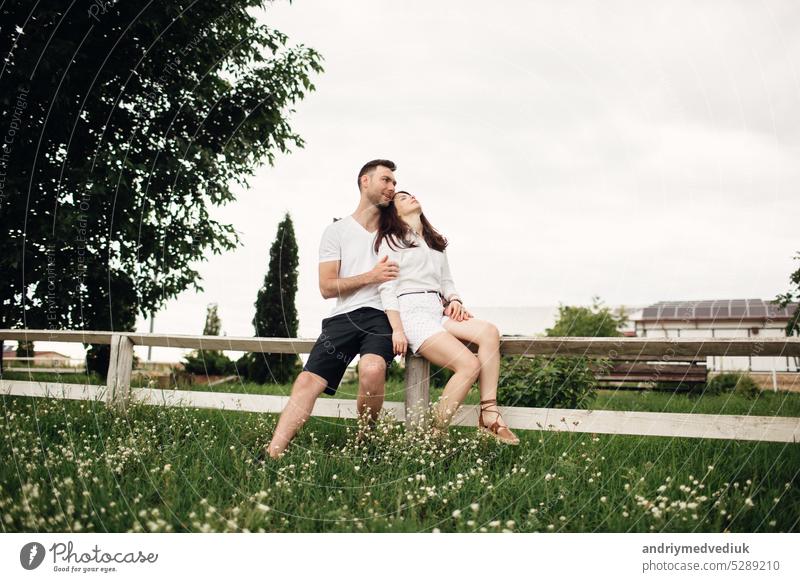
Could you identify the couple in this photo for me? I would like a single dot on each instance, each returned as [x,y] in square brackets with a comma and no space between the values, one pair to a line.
[387,267]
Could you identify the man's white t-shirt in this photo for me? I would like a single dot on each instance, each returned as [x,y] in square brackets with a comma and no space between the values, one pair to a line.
[347,241]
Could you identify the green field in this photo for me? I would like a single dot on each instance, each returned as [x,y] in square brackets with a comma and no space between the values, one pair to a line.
[76,466]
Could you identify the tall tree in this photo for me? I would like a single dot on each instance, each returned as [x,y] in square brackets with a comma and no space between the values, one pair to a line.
[276,314]
[210,362]
[122,124]
[213,324]
[793,325]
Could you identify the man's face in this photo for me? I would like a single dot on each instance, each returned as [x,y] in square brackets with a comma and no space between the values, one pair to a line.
[380,186]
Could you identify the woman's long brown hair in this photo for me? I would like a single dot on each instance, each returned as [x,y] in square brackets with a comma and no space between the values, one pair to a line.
[398,234]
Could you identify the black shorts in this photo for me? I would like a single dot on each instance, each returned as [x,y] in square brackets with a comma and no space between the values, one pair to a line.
[362,331]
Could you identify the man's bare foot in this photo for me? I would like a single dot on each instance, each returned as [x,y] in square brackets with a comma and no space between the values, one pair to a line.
[265,454]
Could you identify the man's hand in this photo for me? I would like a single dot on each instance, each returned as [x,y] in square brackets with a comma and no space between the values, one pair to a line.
[399,342]
[384,270]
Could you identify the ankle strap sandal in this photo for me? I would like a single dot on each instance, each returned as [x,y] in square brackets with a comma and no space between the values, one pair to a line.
[501,433]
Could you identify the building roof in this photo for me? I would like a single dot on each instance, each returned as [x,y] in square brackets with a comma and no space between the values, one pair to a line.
[11,354]
[717,310]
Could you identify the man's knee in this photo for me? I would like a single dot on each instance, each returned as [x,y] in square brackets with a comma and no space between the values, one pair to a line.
[308,383]
[372,371]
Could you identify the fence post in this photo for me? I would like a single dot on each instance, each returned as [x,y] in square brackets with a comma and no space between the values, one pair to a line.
[418,395]
[120,366]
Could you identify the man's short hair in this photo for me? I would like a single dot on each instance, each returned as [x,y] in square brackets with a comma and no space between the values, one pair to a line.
[369,167]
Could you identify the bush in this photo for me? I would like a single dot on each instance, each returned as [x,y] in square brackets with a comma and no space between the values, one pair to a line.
[737,382]
[209,362]
[677,386]
[546,382]
[440,376]
[396,372]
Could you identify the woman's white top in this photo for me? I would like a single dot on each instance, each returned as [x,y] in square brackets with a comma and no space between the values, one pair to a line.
[421,269]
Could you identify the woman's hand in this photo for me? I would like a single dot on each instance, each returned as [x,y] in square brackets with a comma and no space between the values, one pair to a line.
[399,342]
[455,311]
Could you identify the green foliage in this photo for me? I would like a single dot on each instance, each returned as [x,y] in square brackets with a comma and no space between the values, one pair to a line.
[213,324]
[396,372]
[161,111]
[545,382]
[209,362]
[595,321]
[25,349]
[276,313]
[791,296]
[677,386]
[736,382]
[440,376]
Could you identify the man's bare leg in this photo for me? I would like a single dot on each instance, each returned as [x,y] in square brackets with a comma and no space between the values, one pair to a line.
[371,385]
[305,391]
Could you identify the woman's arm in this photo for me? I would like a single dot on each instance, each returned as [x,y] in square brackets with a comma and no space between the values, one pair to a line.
[454,308]
[448,285]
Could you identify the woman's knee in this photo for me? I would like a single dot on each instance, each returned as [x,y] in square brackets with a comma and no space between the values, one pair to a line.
[490,335]
[470,366]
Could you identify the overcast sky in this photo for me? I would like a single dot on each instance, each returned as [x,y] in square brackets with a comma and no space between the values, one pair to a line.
[640,151]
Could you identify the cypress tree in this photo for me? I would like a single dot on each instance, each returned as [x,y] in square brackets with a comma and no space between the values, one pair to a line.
[210,362]
[276,314]
[213,324]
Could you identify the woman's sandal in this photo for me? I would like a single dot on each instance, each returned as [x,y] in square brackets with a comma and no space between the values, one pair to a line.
[501,433]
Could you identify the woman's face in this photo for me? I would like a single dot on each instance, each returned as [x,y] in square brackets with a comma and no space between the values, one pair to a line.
[406,204]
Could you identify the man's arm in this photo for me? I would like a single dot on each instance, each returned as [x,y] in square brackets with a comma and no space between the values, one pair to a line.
[331,285]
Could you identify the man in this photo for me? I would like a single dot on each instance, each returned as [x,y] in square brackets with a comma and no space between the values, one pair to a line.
[349,270]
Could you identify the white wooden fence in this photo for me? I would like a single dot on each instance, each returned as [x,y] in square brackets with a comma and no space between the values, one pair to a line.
[118,392]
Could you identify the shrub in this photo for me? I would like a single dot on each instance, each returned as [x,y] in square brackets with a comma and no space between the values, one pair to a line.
[738,382]
[546,382]
[595,321]
[208,362]
[677,386]
[396,372]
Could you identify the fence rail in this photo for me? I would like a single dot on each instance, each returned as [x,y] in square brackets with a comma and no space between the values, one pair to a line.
[118,392]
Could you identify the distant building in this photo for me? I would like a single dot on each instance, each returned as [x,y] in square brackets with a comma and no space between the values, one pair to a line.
[50,359]
[721,318]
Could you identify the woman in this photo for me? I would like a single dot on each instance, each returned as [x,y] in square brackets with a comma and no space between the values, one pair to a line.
[428,316]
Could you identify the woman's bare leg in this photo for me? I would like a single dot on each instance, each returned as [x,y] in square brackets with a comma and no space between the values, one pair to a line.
[444,349]
[487,337]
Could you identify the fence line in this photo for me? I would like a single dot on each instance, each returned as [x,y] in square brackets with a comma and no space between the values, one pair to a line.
[118,391]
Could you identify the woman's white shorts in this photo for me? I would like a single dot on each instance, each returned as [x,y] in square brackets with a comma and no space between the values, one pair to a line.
[422,315]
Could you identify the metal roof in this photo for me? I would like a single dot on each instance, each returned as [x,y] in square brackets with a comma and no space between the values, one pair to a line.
[717,310]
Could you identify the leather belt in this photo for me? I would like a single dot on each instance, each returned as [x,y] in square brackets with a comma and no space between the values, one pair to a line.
[415,292]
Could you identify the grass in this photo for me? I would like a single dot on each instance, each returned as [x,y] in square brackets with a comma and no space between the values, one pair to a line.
[77,466]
